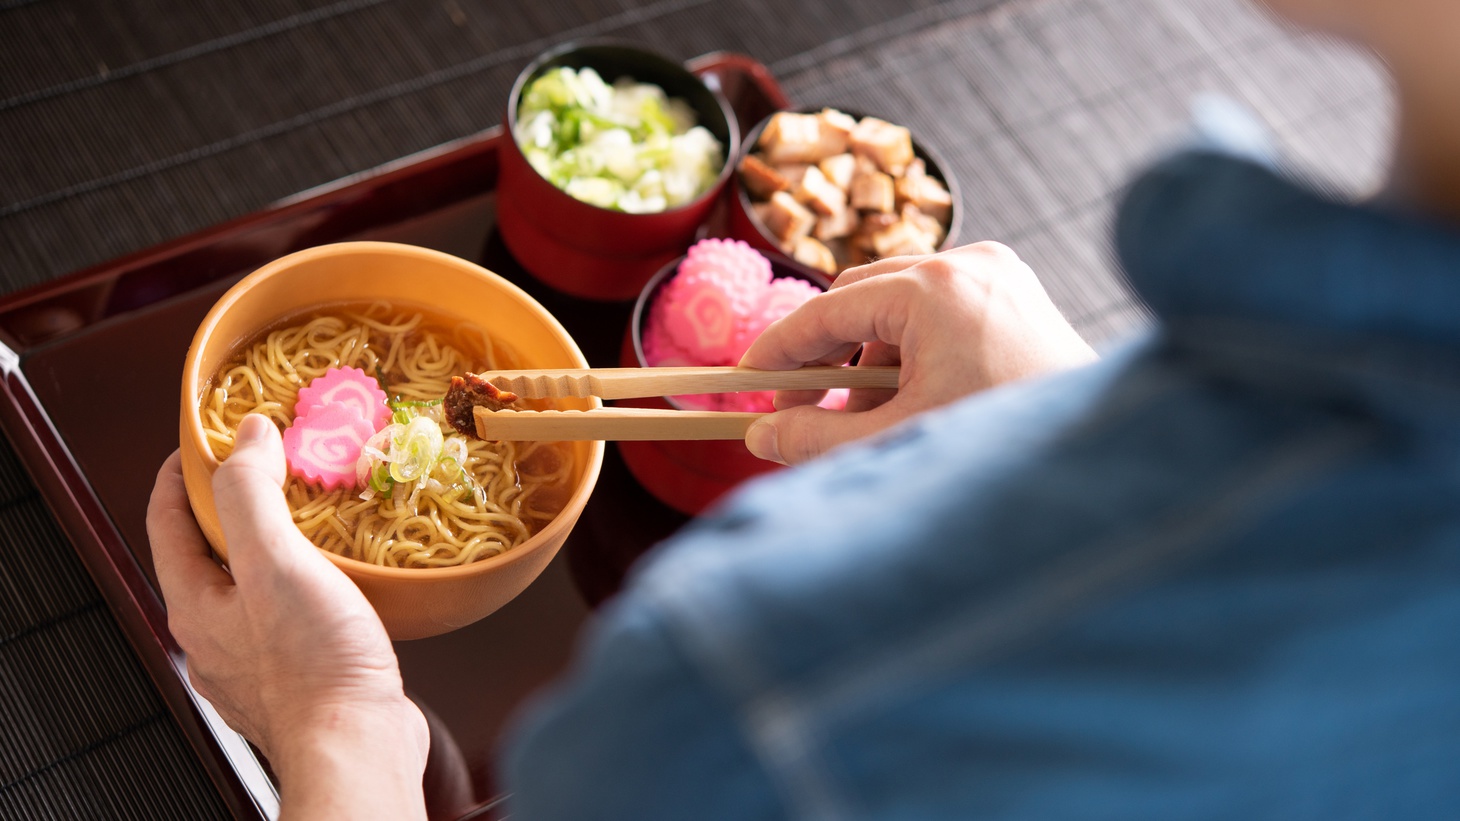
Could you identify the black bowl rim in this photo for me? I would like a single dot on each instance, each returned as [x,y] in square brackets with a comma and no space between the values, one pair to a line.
[732,123]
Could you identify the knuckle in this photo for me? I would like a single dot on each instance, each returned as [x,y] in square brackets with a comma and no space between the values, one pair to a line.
[995,250]
[971,272]
[941,272]
[937,278]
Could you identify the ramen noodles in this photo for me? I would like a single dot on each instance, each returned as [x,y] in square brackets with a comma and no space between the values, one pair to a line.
[421,495]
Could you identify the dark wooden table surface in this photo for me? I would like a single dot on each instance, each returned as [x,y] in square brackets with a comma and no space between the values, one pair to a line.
[123,125]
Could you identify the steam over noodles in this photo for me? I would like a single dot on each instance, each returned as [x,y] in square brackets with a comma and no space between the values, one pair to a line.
[506,490]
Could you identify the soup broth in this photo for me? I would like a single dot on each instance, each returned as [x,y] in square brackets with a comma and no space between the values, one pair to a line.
[493,495]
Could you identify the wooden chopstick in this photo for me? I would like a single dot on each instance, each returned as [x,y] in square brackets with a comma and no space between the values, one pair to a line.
[630,383]
[617,424]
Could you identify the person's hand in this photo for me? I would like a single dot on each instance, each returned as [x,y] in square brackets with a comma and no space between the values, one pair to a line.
[286,647]
[956,322]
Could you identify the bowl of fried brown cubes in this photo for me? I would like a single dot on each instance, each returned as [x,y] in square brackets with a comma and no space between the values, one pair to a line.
[831,190]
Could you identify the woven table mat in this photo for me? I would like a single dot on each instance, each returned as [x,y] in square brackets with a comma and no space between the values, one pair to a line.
[124,125]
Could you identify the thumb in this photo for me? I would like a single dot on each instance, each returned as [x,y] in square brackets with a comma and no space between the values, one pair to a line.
[247,491]
[797,434]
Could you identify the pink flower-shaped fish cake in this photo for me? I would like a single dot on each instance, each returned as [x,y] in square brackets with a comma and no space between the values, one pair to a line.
[783,296]
[701,312]
[660,351]
[323,447]
[350,387]
[741,266]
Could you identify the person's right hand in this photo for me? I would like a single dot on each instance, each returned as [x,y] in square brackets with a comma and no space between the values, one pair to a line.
[956,322]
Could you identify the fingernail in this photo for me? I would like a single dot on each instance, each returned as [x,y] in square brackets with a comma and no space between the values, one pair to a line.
[251,429]
[762,441]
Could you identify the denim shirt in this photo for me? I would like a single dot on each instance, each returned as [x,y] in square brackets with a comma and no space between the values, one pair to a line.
[1214,576]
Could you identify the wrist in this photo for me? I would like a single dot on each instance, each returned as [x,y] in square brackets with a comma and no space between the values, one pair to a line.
[349,760]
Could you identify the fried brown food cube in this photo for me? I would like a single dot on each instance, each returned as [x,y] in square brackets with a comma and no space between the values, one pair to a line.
[792,137]
[812,253]
[761,179]
[873,192]
[786,219]
[888,145]
[839,123]
[835,226]
[925,192]
[860,242]
[817,192]
[928,224]
[839,170]
[902,238]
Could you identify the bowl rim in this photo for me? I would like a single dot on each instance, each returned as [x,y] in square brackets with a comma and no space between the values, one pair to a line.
[192,385]
[937,168]
[732,148]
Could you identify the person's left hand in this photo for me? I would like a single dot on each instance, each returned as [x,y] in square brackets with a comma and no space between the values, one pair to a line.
[286,647]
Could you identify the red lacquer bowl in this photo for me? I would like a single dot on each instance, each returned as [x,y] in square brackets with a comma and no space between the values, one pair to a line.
[593,252]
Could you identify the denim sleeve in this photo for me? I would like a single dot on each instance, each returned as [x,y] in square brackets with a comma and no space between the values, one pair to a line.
[631,734]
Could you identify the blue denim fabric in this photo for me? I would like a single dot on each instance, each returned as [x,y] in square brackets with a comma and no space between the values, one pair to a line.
[1215,576]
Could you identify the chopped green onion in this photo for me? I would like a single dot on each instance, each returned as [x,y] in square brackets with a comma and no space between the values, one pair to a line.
[404,410]
[626,147]
[380,479]
[415,451]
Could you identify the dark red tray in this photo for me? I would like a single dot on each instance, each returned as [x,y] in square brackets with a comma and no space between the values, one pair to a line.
[90,369]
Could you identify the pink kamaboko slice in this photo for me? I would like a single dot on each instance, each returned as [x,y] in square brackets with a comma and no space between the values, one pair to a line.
[743,268]
[781,297]
[350,387]
[323,447]
[701,314]
[660,351]
[704,306]
[721,298]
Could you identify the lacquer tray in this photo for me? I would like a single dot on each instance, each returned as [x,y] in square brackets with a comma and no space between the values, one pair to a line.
[89,366]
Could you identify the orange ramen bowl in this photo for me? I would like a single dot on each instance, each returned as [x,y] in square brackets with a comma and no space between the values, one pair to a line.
[412,602]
